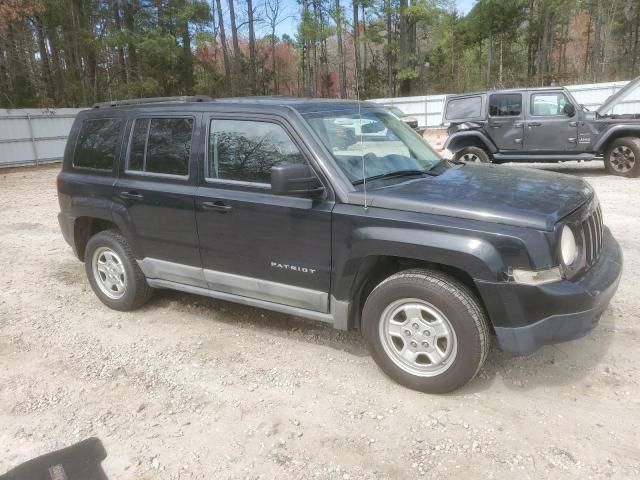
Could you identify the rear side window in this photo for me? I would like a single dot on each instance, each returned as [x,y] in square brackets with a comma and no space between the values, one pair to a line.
[97,143]
[505,105]
[245,151]
[160,145]
[467,107]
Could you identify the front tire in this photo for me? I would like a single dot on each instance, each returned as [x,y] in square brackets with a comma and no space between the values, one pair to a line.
[426,330]
[622,158]
[472,155]
[113,272]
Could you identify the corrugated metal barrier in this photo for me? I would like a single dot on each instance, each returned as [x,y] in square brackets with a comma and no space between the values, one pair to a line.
[34,136]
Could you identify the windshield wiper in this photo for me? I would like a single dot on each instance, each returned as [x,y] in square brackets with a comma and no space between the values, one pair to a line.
[397,173]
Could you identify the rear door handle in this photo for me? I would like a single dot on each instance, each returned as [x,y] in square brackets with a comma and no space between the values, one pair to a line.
[534,124]
[131,195]
[216,206]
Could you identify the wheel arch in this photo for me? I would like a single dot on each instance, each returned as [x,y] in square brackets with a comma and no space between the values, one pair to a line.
[376,268]
[86,227]
[614,133]
[446,253]
[469,138]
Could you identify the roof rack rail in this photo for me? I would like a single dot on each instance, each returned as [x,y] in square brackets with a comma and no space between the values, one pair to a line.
[145,101]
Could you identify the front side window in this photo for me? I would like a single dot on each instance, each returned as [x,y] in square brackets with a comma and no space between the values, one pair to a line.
[245,150]
[505,105]
[97,143]
[371,143]
[161,145]
[548,104]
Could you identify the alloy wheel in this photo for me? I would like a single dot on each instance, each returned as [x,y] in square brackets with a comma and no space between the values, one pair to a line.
[418,337]
[622,159]
[109,273]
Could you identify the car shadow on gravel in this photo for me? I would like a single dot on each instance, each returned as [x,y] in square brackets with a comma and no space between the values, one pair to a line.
[593,168]
[271,323]
[553,365]
[561,364]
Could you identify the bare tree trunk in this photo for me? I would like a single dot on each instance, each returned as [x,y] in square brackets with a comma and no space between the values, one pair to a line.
[130,9]
[341,64]
[489,56]
[252,49]
[45,64]
[389,50]
[225,49]
[236,47]
[364,35]
[356,42]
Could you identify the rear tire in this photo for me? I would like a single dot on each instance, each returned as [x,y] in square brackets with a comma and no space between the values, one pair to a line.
[113,272]
[622,158]
[473,155]
[426,330]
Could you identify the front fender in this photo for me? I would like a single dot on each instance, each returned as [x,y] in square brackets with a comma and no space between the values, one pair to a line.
[469,138]
[473,255]
[616,131]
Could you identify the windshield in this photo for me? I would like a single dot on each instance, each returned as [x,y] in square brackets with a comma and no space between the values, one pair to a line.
[386,144]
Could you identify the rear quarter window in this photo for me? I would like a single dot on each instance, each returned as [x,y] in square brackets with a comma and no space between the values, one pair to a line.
[465,107]
[97,143]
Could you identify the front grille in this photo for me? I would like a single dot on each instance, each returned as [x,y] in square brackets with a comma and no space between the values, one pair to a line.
[592,236]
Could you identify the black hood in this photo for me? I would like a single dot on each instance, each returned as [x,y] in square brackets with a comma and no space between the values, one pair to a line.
[513,196]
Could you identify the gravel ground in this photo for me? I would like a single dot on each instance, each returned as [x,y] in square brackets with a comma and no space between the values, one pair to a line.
[189,387]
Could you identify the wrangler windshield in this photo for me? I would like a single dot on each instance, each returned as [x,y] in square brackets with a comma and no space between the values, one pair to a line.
[372,144]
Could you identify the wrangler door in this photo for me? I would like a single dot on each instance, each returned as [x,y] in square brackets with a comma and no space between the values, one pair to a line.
[505,123]
[253,243]
[548,127]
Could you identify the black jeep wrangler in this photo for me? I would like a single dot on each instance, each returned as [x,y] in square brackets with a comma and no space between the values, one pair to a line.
[274,203]
[542,124]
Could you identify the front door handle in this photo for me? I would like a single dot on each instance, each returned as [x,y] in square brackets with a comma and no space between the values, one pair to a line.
[517,125]
[534,124]
[216,206]
[131,195]
[573,124]
[495,125]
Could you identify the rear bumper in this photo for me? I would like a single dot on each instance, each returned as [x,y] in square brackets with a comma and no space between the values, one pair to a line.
[66,227]
[527,317]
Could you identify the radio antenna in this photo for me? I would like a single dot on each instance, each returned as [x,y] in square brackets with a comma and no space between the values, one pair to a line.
[364,174]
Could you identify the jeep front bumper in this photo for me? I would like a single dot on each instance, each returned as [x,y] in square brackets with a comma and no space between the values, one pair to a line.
[526,317]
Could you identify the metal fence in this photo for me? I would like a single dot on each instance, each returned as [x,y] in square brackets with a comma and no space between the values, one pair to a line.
[428,109]
[34,136]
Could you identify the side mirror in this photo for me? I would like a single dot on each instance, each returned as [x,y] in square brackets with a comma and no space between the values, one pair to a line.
[295,179]
[373,127]
[569,110]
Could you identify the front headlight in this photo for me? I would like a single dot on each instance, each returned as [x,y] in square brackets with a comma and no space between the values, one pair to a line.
[568,248]
[540,277]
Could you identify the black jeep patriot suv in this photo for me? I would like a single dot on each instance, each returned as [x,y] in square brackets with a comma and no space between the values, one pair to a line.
[337,212]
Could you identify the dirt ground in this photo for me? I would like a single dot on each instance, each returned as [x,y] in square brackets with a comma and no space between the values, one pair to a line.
[189,387]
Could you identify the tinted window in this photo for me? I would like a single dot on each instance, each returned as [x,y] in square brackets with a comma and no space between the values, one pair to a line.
[246,151]
[467,107]
[548,104]
[161,145]
[97,143]
[505,105]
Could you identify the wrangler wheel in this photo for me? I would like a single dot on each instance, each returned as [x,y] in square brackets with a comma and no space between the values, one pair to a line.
[426,330]
[622,158]
[472,155]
